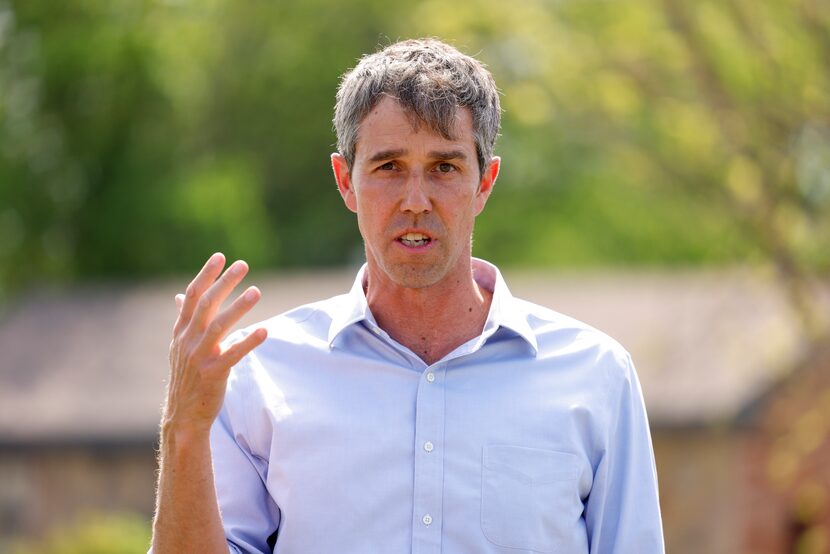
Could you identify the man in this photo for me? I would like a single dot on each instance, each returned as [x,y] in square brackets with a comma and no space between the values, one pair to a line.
[427,410]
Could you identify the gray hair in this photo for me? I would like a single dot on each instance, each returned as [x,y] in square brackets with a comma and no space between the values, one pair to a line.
[431,80]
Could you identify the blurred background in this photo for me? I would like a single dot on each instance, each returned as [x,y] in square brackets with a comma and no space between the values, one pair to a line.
[666,178]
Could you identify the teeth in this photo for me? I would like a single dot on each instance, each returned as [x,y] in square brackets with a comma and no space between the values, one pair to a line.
[414,239]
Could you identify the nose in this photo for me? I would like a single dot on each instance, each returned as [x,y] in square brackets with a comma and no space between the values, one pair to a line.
[415,198]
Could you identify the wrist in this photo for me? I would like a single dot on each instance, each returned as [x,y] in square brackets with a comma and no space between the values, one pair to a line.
[183,434]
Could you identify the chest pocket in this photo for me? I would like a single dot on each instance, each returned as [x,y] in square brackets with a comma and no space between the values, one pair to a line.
[529,497]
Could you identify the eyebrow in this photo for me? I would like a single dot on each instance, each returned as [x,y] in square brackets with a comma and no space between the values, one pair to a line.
[387,155]
[448,155]
[435,154]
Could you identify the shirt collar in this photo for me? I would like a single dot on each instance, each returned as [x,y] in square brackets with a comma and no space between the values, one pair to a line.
[354,308]
[505,310]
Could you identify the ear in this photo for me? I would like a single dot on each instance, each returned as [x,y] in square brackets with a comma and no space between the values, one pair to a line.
[488,181]
[344,181]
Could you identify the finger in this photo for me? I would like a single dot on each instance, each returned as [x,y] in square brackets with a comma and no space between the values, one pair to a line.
[208,274]
[179,302]
[210,301]
[223,322]
[238,350]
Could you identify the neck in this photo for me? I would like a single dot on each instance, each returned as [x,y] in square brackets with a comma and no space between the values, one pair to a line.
[431,321]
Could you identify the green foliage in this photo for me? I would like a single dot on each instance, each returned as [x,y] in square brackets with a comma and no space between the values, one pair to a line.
[138,137]
[693,132]
[93,534]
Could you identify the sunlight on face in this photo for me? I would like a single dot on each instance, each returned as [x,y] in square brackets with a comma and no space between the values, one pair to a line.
[416,195]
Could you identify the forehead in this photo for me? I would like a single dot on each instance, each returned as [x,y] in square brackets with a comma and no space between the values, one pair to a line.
[389,126]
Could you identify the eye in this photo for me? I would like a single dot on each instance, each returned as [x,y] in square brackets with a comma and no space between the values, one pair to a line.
[445,167]
[388,166]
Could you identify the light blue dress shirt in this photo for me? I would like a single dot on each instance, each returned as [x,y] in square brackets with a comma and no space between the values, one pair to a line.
[532,437]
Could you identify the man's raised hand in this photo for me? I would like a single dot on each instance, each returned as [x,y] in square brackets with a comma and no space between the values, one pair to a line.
[199,365]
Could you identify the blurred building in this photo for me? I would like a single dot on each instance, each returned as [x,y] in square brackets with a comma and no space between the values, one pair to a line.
[739,408]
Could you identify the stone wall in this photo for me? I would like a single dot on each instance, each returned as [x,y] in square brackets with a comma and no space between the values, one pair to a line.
[43,487]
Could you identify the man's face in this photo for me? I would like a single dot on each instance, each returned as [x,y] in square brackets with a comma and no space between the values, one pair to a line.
[416,195]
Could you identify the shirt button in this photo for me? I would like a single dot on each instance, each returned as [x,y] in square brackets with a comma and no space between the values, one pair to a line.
[427,519]
[428,446]
[430,377]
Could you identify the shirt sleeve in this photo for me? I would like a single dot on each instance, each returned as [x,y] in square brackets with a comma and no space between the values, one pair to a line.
[622,512]
[250,516]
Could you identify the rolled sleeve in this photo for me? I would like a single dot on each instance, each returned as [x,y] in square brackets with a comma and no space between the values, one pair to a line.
[622,511]
[249,514]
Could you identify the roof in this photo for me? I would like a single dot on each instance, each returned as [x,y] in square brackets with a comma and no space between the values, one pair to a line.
[89,363]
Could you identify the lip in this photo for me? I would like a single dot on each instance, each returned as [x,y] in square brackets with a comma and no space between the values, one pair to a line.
[420,248]
[414,230]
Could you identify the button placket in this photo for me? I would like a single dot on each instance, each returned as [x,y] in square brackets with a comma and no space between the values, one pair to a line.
[429,463]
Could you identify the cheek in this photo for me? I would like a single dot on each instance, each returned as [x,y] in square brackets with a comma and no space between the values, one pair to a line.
[367,218]
[369,196]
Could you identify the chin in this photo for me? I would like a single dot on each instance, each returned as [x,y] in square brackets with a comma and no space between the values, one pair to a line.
[414,276]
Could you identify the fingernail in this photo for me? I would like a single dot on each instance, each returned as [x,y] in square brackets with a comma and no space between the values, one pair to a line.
[250,294]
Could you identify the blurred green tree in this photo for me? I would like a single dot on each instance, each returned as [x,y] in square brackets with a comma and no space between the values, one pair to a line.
[85,142]
[696,131]
[138,137]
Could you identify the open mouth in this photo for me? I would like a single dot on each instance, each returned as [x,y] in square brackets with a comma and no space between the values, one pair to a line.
[414,240]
